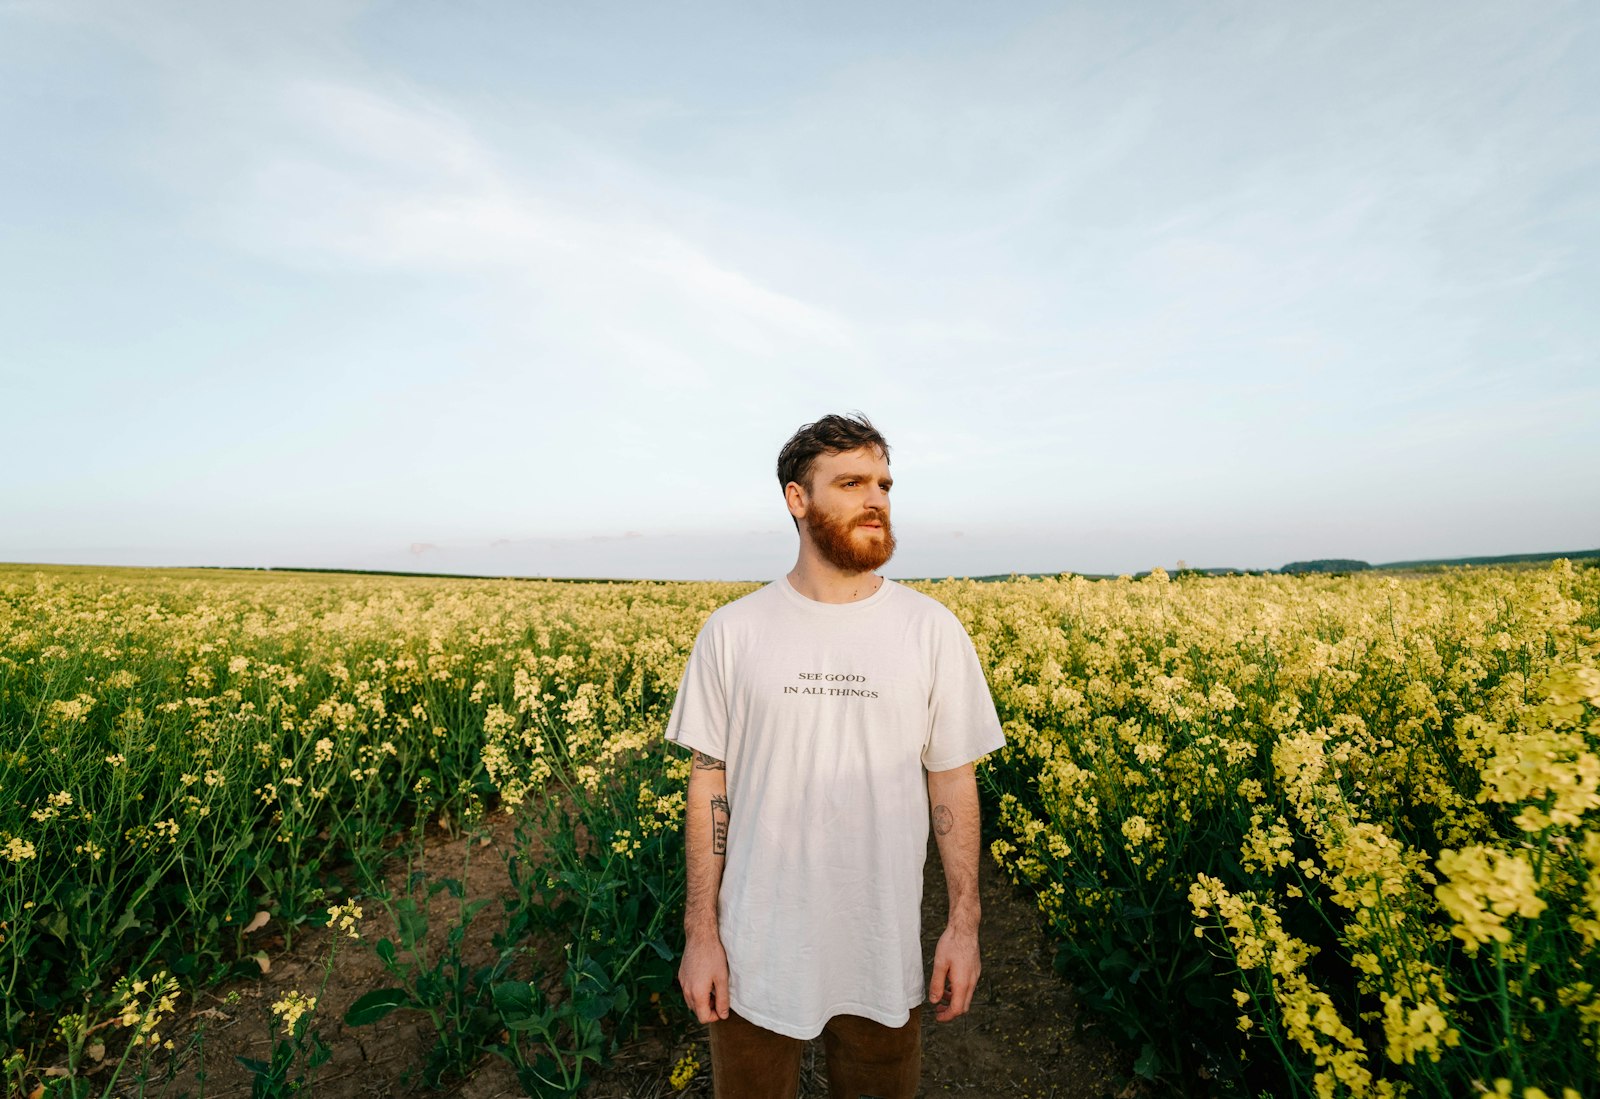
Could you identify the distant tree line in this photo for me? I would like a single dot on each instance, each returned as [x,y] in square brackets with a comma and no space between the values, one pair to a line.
[1326,564]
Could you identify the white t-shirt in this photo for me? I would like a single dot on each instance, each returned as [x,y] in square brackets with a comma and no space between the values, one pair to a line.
[826,715]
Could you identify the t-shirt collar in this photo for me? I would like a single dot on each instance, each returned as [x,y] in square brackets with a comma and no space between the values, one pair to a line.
[818,607]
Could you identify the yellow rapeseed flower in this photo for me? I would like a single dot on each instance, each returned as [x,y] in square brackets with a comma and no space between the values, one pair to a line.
[683,1073]
[344,917]
[1485,888]
[292,1007]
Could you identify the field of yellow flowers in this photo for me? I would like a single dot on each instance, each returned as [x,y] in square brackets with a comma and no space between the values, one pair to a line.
[1295,835]
[182,750]
[1303,836]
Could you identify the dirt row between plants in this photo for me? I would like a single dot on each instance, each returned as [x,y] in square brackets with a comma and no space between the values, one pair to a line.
[1025,1037]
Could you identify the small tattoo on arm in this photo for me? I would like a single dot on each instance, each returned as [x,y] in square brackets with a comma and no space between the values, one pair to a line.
[703,762]
[943,819]
[719,824]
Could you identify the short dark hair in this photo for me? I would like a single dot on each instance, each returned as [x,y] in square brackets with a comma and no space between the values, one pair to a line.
[830,435]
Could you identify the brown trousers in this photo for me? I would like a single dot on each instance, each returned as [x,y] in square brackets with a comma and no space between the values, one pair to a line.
[866,1060]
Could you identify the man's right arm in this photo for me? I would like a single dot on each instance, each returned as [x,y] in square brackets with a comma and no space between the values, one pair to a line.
[704,970]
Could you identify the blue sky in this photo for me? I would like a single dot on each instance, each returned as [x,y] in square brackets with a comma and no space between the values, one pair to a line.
[541,289]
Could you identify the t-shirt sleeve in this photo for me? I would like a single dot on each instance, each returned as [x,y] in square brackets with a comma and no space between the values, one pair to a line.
[962,723]
[700,711]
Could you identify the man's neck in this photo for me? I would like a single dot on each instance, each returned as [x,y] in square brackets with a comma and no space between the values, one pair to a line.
[816,579]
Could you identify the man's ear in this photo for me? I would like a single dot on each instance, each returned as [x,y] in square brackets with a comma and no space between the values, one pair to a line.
[795,496]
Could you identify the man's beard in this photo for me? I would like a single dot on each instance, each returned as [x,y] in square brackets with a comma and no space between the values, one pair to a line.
[835,538]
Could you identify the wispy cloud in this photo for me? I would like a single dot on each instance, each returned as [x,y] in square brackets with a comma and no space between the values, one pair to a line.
[306,157]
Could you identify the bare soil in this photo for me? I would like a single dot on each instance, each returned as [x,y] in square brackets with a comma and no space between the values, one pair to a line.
[1025,1037]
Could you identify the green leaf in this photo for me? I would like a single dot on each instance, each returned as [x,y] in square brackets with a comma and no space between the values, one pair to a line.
[1147,1062]
[130,919]
[543,1079]
[431,986]
[520,1005]
[591,1007]
[453,885]
[1117,959]
[56,924]
[385,951]
[413,924]
[375,1005]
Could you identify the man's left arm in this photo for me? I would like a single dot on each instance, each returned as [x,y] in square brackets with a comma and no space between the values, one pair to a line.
[953,805]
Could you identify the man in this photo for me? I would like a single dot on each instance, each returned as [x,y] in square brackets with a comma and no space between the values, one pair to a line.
[827,712]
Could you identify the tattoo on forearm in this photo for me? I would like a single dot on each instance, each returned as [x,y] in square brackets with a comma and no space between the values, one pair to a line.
[719,824]
[703,762]
[943,819]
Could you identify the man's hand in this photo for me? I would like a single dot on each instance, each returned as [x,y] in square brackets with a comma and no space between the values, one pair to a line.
[955,973]
[704,977]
